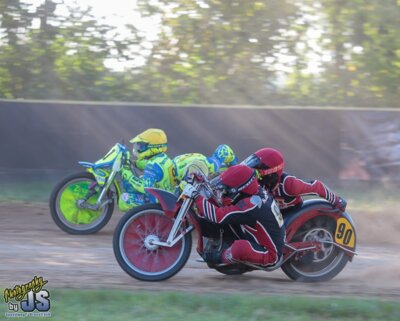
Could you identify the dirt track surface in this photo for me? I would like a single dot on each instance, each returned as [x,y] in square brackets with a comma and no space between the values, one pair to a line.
[31,244]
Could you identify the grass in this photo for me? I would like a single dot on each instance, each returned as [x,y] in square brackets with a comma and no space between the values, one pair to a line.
[25,191]
[88,305]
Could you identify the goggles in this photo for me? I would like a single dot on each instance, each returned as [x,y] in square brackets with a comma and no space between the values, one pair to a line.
[254,162]
[140,146]
[226,190]
[269,171]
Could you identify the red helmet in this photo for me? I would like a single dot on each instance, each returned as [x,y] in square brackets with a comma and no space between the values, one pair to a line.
[270,163]
[237,180]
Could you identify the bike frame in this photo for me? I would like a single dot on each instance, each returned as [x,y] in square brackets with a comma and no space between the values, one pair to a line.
[293,221]
[115,164]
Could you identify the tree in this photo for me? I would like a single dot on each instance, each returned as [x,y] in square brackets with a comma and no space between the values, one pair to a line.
[14,21]
[362,39]
[220,51]
[301,52]
[53,55]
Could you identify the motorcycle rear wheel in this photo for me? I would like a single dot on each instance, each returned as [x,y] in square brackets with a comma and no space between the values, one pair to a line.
[66,212]
[319,266]
[134,251]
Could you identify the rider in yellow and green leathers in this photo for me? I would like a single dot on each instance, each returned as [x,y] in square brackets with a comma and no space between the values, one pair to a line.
[149,149]
[159,170]
[222,158]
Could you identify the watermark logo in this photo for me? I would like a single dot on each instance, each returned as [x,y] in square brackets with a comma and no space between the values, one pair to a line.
[28,300]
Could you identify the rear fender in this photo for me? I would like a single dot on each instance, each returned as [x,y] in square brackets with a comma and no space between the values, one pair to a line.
[344,237]
[309,210]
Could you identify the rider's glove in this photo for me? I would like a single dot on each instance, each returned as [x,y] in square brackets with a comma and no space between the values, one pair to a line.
[126,174]
[190,191]
[340,204]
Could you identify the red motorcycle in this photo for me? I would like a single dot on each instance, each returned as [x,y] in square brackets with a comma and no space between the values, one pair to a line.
[153,242]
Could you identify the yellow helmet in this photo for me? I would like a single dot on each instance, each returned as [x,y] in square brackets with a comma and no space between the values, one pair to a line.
[151,142]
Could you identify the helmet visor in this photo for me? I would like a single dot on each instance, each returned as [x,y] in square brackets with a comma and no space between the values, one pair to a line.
[139,147]
[253,161]
[270,171]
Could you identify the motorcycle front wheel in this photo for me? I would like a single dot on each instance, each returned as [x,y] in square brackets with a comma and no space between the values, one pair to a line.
[319,266]
[67,212]
[135,252]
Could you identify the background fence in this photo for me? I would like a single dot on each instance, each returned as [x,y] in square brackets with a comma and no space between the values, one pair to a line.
[48,138]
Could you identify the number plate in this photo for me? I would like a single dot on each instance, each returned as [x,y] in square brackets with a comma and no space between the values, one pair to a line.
[345,234]
[277,213]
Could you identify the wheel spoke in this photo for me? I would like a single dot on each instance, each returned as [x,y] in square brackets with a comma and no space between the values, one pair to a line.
[139,251]
[68,211]
[323,260]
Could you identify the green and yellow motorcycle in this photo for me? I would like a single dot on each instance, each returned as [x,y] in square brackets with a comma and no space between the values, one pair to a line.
[82,203]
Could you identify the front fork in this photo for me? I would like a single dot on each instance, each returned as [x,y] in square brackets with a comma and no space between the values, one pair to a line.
[173,238]
[99,202]
[105,188]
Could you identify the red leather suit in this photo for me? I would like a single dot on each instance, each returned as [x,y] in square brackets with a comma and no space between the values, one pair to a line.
[257,223]
[289,191]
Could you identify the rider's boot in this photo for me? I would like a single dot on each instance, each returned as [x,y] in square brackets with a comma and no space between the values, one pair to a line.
[221,256]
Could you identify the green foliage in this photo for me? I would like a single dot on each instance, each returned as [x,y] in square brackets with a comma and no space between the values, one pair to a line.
[363,40]
[124,305]
[216,51]
[28,190]
[300,52]
[48,55]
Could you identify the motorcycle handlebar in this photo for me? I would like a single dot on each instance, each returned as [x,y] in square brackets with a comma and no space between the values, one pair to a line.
[201,182]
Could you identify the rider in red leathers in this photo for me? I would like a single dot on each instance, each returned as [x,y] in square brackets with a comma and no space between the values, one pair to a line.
[251,213]
[286,189]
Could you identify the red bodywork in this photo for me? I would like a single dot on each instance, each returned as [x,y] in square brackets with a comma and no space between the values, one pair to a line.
[312,209]
[167,200]
[292,228]
[170,205]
